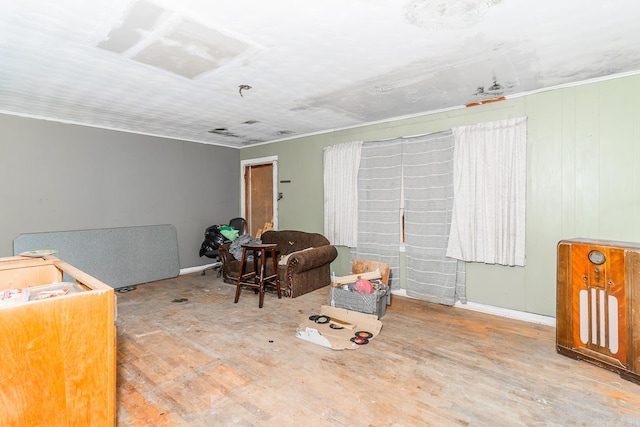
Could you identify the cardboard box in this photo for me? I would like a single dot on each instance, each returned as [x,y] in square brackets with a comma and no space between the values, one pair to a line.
[339,339]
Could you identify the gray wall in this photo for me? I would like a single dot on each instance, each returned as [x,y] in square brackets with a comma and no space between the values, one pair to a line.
[59,177]
[583,179]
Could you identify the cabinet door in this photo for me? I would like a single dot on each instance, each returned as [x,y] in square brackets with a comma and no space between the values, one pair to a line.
[58,361]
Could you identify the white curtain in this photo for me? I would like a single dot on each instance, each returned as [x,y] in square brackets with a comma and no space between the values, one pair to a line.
[489,178]
[427,163]
[379,191]
[341,164]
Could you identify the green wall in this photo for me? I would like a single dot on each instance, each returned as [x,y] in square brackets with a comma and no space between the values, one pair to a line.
[583,179]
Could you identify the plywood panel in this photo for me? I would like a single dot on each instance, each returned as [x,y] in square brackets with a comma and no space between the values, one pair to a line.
[22,273]
[364,266]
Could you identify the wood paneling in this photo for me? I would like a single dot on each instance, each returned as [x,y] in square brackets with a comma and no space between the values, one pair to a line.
[583,178]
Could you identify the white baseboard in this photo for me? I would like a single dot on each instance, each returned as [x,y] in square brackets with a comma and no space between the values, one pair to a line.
[198,268]
[498,311]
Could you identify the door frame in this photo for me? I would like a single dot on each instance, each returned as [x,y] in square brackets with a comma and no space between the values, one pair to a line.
[273,160]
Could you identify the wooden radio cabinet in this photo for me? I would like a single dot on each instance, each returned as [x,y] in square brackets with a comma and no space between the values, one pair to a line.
[598,304]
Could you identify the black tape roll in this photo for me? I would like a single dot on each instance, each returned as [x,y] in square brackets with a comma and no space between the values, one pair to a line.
[314,317]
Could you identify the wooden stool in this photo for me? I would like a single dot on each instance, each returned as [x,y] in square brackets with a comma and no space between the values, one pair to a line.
[257,279]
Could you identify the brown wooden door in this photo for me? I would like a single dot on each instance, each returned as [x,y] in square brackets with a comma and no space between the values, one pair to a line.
[258,196]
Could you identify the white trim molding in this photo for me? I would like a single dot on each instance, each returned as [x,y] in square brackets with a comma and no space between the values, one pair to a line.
[498,311]
[198,268]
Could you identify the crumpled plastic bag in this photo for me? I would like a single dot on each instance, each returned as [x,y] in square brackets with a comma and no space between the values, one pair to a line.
[235,248]
[228,232]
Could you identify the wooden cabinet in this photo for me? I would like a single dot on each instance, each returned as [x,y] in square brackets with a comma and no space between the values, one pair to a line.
[598,304]
[57,354]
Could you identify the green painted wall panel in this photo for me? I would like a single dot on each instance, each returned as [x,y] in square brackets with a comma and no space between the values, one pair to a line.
[583,179]
[544,195]
[616,163]
[566,139]
[634,188]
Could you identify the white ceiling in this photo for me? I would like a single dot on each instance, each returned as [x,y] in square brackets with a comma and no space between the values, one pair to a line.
[175,68]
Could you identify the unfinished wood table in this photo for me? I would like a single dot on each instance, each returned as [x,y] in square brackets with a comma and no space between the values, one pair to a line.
[57,350]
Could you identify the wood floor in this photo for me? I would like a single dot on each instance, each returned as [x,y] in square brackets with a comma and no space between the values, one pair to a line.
[189,356]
